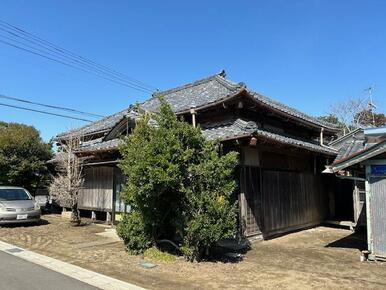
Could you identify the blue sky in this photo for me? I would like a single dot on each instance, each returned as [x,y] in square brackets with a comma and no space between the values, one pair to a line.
[307,54]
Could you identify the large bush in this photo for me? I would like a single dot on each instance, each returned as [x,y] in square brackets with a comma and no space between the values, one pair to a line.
[132,230]
[178,185]
[211,210]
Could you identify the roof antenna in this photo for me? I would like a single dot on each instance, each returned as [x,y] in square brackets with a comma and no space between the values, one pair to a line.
[371,104]
[223,73]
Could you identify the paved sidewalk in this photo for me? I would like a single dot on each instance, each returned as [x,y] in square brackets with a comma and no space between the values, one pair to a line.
[75,272]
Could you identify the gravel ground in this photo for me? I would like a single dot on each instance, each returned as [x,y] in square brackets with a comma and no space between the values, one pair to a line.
[323,258]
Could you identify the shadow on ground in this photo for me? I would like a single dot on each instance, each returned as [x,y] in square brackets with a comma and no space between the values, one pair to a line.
[230,250]
[42,222]
[356,240]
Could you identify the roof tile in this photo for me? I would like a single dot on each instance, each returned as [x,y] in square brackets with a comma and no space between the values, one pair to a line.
[238,128]
[199,93]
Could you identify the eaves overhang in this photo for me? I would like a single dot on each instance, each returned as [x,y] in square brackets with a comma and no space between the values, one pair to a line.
[359,157]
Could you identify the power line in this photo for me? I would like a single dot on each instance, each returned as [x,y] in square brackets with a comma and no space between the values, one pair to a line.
[63,50]
[95,68]
[58,50]
[68,64]
[66,58]
[62,60]
[50,106]
[42,54]
[44,112]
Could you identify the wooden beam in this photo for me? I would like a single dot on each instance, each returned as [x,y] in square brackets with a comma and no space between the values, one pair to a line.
[193,113]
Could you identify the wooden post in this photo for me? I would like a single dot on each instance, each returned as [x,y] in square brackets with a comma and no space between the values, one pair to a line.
[241,197]
[368,210]
[108,218]
[193,112]
[321,136]
[114,197]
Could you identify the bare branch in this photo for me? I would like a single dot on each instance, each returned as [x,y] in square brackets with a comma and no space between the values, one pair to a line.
[66,185]
[350,112]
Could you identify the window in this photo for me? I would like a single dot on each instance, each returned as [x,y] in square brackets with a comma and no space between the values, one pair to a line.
[13,194]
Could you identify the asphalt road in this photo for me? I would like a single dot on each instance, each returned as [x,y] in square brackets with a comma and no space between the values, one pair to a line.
[18,274]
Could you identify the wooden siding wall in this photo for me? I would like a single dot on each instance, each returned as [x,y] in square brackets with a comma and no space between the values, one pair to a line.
[275,202]
[97,192]
[292,200]
[250,200]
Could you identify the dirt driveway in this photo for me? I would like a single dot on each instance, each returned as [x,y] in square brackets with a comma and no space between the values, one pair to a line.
[324,258]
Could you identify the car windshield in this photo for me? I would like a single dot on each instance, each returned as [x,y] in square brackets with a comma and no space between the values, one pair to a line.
[13,194]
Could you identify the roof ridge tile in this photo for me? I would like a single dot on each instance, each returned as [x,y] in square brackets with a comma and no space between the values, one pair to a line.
[189,85]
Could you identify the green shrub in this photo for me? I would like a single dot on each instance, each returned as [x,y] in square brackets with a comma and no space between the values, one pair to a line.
[132,230]
[179,184]
[212,212]
[206,227]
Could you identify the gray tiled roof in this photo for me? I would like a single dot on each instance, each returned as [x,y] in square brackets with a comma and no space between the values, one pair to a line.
[99,145]
[214,89]
[230,129]
[99,126]
[196,94]
[103,125]
[291,111]
[238,128]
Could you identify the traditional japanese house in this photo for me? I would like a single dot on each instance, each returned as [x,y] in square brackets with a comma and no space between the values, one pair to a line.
[282,153]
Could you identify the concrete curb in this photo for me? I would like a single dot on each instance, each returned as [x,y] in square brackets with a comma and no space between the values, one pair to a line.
[75,272]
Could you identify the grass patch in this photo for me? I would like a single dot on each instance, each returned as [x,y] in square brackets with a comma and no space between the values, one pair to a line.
[159,256]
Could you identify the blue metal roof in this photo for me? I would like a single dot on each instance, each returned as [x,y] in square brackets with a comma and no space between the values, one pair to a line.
[375,131]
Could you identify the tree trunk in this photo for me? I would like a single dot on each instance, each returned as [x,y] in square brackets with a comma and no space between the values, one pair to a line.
[75,215]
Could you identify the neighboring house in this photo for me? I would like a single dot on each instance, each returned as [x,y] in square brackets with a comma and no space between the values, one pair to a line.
[282,153]
[362,161]
[346,206]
